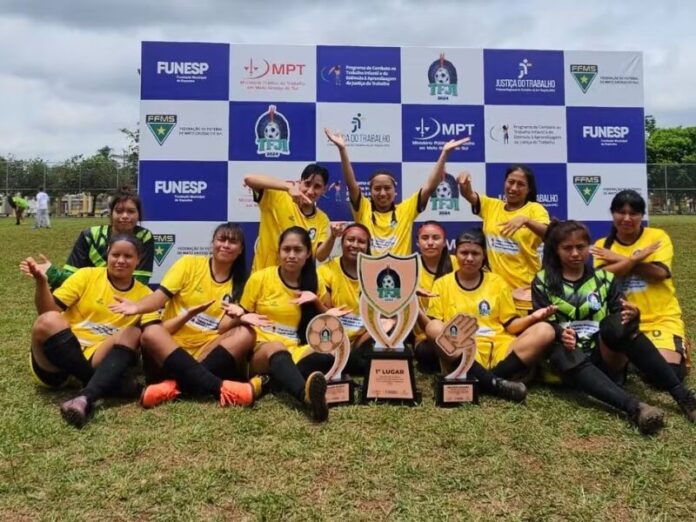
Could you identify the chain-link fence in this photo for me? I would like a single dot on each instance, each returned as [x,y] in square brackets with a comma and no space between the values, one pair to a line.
[672,188]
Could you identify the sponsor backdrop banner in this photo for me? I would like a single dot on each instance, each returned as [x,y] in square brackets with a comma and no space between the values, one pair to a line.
[211,113]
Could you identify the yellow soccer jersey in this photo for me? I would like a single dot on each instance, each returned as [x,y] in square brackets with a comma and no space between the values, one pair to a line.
[344,291]
[389,236]
[426,278]
[660,313]
[515,257]
[265,293]
[492,305]
[85,297]
[189,282]
[278,213]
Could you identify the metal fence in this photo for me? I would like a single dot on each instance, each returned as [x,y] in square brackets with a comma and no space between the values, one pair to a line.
[672,188]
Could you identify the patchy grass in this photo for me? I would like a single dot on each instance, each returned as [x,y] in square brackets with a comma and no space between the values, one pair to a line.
[556,458]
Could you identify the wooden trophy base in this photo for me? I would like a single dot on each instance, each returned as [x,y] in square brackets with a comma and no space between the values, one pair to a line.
[450,393]
[340,392]
[390,378]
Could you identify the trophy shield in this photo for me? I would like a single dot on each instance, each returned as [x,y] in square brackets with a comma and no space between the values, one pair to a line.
[389,309]
[458,338]
[325,334]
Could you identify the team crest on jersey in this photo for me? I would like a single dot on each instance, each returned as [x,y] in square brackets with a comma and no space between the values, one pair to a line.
[584,75]
[442,78]
[484,308]
[445,198]
[587,186]
[163,245]
[272,134]
[594,301]
[312,233]
[161,125]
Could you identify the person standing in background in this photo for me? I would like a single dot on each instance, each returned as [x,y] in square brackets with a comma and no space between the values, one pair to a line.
[42,200]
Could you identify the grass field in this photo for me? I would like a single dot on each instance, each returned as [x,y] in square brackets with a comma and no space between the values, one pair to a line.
[558,457]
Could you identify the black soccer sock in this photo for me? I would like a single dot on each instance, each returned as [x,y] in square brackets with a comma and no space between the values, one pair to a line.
[427,358]
[192,377]
[510,366]
[588,378]
[286,373]
[63,351]
[221,363]
[108,374]
[643,354]
[315,362]
[358,359]
[679,370]
[485,378]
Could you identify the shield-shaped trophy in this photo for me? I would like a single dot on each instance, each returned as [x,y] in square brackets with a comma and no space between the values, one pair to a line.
[458,337]
[388,290]
[325,334]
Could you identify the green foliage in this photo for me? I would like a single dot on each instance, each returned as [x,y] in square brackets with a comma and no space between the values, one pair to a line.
[559,457]
[677,145]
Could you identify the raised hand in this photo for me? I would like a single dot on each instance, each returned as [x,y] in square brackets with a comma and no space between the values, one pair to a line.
[41,266]
[297,195]
[337,229]
[629,312]
[336,138]
[231,309]
[464,182]
[453,144]
[123,306]
[544,313]
[510,227]
[252,319]
[304,296]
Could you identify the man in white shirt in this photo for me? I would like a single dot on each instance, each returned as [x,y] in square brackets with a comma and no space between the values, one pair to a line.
[42,219]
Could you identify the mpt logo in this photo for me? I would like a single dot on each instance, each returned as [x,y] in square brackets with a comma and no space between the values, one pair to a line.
[442,78]
[259,69]
[272,134]
[430,128]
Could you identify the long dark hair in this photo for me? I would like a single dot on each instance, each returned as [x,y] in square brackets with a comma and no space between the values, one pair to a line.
[626,197]
[531,180]
[126,193]
[444,263]
[238,270]
[556,232]
[475,236]
[308,280]
[372,204]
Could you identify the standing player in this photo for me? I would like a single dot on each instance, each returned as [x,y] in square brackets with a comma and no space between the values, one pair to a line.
[206,354]
[42,219]
[125,210]
[284,204]
[642,256]
[77,335]
[19,205]
[390,224]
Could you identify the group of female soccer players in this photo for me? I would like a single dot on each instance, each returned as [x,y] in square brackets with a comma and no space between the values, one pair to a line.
[213,329]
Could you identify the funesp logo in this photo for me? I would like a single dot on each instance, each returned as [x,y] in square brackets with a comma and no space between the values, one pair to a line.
[183,68]
[605,131]
[180,187]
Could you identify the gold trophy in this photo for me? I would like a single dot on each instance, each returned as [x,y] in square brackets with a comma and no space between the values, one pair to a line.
[388,290]
[325,334]
[458,338]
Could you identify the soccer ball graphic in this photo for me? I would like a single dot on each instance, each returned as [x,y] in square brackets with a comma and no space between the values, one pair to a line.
[271,131]
[442,76]
[388,282]
[443,191]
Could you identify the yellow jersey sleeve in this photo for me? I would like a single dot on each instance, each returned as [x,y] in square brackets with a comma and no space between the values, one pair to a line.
[176,277]
[252,291]
[74,287]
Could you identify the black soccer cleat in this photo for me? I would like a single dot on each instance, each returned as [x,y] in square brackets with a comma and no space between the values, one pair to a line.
[649,419]
[510,390]
[76,411]
[315,396]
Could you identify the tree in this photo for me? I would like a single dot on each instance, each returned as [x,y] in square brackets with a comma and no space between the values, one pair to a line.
[677,145]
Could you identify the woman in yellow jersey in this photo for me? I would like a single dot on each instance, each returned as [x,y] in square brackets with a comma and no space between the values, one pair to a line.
[340,275]
[389,224]
[77,335]
[287,297]
[125,211]
[284,204]
[486,296]
[435,261]
[642,257]
[205,356]
[514,228]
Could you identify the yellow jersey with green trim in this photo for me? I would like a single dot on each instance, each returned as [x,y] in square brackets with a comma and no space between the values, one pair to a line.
[278,213]
[490,303]
[391,230]
[85,297]
[515,258]
[426,279]
[660,313]
[267,294]
[188,283]
[344,291]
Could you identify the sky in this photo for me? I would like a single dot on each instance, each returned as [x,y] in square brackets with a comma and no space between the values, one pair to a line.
[68,68]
